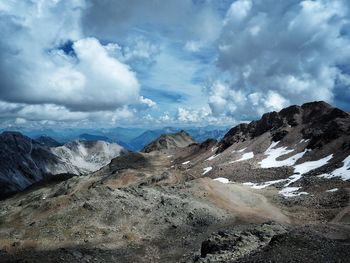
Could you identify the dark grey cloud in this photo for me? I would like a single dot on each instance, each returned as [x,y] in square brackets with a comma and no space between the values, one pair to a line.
[110,19]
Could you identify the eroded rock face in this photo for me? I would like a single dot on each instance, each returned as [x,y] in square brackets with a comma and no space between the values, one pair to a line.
[169,141]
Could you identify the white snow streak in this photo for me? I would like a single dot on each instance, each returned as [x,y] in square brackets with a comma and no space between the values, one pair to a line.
[332,190]
[212,157]
[272,154]
[245,156]
[291,192]
[343,172]
[222,180]
[311,165]
[264,184]
[207,170]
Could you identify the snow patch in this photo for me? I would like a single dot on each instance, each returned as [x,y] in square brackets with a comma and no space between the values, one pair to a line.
[242,150]
[264,184]
[291,192]
[311,165]
[273,153]
[343,172]
[212,157]
[245,156]
[332,190]
[187,162]
[304,141]
[222,180]
[207,170]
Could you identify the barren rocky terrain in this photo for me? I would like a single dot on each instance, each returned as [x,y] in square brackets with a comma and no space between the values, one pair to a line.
[274,190]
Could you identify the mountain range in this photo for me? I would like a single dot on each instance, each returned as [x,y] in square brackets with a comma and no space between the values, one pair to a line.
[25,161]
[272,190]
[133,139]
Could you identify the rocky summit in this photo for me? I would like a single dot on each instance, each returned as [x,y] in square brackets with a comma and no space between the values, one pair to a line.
[169,141]
[273,190]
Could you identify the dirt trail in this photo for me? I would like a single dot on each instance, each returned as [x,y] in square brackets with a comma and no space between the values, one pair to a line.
[246,205]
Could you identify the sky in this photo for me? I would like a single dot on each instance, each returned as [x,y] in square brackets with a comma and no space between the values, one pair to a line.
[107,63]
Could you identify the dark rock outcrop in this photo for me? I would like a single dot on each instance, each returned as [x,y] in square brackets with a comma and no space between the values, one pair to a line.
[25,161]
[318,121]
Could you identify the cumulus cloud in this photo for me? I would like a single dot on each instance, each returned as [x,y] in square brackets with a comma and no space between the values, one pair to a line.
[136,51]
[86,61]
[147,102]
[273,53]
[37,68]
[51,114]
[192,115]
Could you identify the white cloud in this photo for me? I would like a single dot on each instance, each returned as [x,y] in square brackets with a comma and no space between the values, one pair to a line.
[238,10]
[148,102]
[37,70]
[135,51]
[273,53]
[275,101]
[193,46]
[192,116]
[20,121]
[223,99]
[50,114]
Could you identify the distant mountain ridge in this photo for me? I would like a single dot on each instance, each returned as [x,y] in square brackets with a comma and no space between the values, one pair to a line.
[133,139]
[25,161]
[88,156]
[48,141]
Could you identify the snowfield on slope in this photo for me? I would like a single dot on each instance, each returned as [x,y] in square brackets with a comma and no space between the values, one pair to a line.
[342,172]
[299,170]
[273,153]
[306,167]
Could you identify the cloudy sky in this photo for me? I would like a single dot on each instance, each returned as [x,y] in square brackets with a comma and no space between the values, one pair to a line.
[88,63]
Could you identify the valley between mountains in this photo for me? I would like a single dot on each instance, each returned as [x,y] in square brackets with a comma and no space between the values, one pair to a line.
[273,190]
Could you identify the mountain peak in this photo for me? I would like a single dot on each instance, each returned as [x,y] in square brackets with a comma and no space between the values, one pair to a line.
[169,141]
[317,120]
